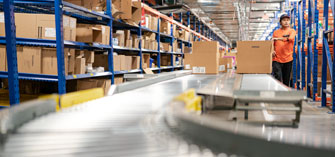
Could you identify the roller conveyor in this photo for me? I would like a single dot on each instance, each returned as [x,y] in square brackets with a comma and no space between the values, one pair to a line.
[133,124]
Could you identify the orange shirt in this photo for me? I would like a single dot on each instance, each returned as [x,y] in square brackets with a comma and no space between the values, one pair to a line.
[284,48]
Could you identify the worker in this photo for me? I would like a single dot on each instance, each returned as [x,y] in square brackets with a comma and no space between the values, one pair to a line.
[282,57]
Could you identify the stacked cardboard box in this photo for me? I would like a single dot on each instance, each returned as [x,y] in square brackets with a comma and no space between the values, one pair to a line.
[129,11]
[95,5]
[120,62]
[39,60]
[175,46]
[151,22]
[204,58]
[165,27]
[118,80]
[126,39]
[120,36]
[88,33]
[254,56]
[166,47]
[41,26]
[84,84]
[149,41]
[145,61]
[136,41]
[165,60]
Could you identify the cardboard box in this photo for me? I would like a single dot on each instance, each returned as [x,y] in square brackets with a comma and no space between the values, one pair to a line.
[80,67]
[105,84]
[29,59]
[147,23]
[49,61]
[154,23]
[3,58]
[84,84]
[118,80]
[72,60]
[117,63]
[129,43]
[254,56]
[136,14]
[145,61]
[166,47]
[165,27]
[175,46]
[165,60]
[89,56]
[136,60]
[127,35]
[123,62]
[124,6]
[93,34]
[175,31]
[101,60]
[41,26]
[120,36]
[128,62]
[205,57]
[95,5]
[136,42]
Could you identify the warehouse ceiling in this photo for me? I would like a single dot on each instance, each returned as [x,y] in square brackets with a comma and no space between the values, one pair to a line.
[237,19]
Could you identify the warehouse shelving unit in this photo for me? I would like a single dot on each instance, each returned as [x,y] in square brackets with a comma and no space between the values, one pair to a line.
[83,15]
[307,48]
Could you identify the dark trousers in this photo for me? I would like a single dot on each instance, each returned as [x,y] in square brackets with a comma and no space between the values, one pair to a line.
[282,71]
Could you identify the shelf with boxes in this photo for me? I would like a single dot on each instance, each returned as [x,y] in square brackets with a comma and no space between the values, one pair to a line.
[90,51]
[37,39]
[57,44]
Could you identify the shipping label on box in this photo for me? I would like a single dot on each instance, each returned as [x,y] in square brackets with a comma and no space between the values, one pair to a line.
[222,68]
[199,70]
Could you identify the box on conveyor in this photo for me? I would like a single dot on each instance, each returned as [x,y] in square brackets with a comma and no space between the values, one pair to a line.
[254,57]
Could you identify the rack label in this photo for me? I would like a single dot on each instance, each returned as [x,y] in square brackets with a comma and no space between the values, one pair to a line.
[50,32]
[2,18]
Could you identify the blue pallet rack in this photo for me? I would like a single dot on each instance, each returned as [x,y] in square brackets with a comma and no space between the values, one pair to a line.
[316,32]
[60,8]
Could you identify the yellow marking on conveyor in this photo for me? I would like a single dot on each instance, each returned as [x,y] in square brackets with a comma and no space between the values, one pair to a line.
[74,98]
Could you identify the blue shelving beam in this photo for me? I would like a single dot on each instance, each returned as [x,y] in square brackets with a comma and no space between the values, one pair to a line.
[294,70]
[316,55]
[309,49]
[13,78]
[299,58]
[303,40]
[60,46]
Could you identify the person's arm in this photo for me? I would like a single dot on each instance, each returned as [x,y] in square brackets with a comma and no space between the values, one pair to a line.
[291,37]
